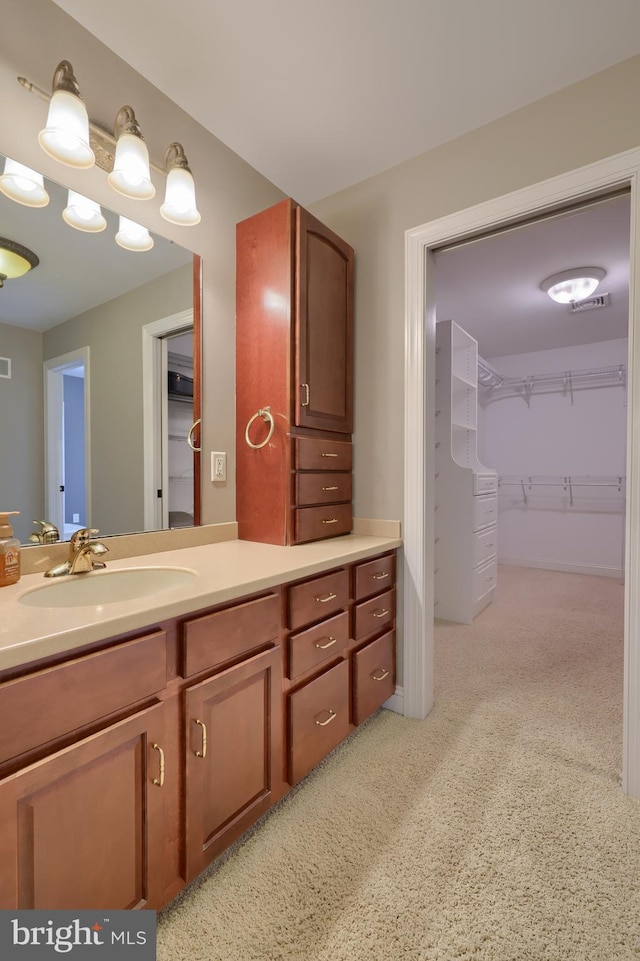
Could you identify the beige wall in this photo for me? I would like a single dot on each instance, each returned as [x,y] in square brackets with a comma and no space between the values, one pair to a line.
[590,120]
[21,430]
[113,334]
[228,189]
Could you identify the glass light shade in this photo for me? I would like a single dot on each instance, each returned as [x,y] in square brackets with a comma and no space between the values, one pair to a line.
[132,236]
[66,136]
[22,184]
[570,286]
[130,175]
[179,205]
[15,260]
[83,213]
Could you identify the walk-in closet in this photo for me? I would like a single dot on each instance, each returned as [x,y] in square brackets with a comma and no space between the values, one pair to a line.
[540,419]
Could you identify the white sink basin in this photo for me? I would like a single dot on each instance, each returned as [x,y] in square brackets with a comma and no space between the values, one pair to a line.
[106,587]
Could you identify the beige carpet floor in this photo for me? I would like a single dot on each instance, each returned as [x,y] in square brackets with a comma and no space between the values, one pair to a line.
[495,830]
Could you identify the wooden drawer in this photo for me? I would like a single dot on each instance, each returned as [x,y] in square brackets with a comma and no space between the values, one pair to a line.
[312,453]
[318,598]
[316,523]
[485,545]
[484,579]
[317,644]
[374,576]
[322,488]
[218,638]
[374,676]
[318,719]
[374,615]
[485,510]
[57,700]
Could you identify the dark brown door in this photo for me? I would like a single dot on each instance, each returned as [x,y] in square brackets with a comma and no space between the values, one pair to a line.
[83,828]
[234,754]
[324,328]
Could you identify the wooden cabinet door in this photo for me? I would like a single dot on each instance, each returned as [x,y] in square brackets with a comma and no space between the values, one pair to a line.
[323,396]
[83,828]
[233,754]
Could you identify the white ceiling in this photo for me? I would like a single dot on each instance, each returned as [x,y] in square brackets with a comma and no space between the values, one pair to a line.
[320,94]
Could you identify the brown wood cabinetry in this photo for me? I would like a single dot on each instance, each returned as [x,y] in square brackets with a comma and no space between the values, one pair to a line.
[294,373]
[128,768]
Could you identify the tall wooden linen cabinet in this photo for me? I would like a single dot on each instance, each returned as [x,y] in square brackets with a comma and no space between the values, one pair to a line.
[294,378]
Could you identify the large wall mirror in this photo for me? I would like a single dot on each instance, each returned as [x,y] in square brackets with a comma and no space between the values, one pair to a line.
[99,378]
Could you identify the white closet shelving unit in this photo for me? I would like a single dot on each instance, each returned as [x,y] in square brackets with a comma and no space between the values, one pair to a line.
[465,491]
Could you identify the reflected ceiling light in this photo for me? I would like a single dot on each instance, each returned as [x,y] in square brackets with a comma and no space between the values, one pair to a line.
[15,260]
[66,135]
[22,184]
[570,286]
[83,213]
[130,175]
[179,205]
[132,236]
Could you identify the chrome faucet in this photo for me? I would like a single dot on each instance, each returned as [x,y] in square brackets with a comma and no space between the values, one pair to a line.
[83,552]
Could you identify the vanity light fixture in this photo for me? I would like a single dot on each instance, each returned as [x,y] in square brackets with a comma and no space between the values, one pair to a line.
[66,135]
[22,184]
[179,205]
[83,213]
[133,236]
[15,260]
[570,286]
[130,175]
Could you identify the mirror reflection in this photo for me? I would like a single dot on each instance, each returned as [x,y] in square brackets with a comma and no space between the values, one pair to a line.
[96,377]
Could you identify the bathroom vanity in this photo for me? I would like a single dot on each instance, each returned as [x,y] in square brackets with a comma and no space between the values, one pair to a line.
[140,738]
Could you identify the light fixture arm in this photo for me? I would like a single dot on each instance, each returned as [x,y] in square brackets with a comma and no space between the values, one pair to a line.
[64,79]
[174,156]
[126,123]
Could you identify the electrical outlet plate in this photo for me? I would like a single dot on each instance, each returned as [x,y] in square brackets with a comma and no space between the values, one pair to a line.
[218,467]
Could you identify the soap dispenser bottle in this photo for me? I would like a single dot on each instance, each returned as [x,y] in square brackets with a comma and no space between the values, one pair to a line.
[9,551]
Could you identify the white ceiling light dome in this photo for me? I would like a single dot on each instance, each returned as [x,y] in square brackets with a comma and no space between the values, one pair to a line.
[570,286]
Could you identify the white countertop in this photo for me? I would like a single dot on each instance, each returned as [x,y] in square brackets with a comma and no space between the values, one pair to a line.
[224,571]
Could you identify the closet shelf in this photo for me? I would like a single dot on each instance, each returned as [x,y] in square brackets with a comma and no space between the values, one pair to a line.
[563,380]
[567,482]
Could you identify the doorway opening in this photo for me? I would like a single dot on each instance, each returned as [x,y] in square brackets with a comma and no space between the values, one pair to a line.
[67,442]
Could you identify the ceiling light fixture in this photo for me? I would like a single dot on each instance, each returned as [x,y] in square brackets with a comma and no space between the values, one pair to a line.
[179,205]
[570,286]
[66,135]
[15,260]
[133,236]
[83,213]
[130,175]
[22,184]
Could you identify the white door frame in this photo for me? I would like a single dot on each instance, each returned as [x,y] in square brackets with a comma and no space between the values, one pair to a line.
[54,370]
[153,392]
[419,459]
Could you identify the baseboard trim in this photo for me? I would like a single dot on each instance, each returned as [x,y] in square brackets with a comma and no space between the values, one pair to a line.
[396,701]
[559,566]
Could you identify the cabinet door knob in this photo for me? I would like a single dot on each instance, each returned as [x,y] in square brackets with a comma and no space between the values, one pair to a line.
[332,716]
[330,642]
[381,676]
[323,598]
[159,781]
[203,747]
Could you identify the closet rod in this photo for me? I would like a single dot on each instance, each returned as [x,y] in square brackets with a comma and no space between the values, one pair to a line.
[566,482]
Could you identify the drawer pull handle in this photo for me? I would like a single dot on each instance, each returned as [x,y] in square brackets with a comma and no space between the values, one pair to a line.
[382,613]
[330,642]
[203,750]
[305,402]
[324,598]
[328,455]
[334,520]
[334,488]
[159,781]
[379,677]
[265,413]
[332,717]
[380,577]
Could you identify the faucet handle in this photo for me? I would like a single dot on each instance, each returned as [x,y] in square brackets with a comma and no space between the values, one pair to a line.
[82,537]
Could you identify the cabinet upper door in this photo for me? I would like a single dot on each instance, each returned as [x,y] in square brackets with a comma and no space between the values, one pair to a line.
[324,327]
